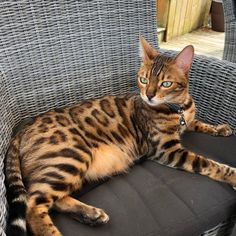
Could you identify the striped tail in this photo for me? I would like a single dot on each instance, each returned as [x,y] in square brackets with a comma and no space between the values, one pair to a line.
[16,192]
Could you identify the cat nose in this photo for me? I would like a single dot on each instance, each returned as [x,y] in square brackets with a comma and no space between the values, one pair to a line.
[150,95]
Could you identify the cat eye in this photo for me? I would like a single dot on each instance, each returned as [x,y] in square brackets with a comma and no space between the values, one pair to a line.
[166,84]
[143,80]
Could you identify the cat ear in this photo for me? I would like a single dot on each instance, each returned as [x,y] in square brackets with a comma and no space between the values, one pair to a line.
[185,58]
[147,52]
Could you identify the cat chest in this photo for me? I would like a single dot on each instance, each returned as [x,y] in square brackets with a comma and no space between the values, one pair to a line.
[164,125]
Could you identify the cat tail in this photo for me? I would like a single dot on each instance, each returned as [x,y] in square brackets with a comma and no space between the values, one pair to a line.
[16,192]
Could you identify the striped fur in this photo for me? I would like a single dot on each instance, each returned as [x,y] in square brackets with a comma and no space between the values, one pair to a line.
[53,155]
[16,191]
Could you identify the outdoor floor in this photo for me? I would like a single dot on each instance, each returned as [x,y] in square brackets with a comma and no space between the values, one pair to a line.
[205,41]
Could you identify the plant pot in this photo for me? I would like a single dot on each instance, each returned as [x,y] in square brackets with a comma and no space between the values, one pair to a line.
[217,16]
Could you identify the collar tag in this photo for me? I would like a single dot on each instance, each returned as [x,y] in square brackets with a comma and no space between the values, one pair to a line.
[182,123]
[182,120]
[180,110]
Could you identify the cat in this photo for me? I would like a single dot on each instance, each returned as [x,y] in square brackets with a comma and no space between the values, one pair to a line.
[52,156]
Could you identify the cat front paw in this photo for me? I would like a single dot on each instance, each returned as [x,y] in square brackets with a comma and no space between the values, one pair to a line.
[223,130]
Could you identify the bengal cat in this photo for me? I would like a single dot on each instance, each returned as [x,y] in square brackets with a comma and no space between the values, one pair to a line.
[51,157]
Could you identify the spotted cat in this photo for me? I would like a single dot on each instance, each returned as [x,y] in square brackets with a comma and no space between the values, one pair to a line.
[52,156]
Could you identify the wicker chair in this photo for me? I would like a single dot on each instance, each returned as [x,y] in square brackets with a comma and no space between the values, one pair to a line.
[230,30]
[58,52]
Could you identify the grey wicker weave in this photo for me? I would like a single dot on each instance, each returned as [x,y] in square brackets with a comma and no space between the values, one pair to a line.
[54,53]
[230,30]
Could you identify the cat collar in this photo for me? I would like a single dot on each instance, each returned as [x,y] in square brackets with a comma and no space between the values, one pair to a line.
[177,108]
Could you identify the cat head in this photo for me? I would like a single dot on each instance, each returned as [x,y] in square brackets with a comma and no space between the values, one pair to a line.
[163,79]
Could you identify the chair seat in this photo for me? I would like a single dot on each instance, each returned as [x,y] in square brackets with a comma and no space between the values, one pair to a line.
[153,200]
[233,231]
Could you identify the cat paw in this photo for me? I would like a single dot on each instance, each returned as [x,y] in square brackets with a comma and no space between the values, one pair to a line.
[93,217]
[223,130]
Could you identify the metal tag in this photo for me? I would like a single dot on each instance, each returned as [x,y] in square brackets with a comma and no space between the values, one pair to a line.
[182,120]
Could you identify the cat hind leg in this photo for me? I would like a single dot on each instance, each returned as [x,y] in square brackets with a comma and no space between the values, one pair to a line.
[81,212]
[38,219]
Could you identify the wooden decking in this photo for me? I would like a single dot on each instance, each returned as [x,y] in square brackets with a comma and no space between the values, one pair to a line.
[205,41]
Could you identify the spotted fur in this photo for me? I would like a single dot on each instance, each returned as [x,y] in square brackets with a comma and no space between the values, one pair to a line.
[53,155]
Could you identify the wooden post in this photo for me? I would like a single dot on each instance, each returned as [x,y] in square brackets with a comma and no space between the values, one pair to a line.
[184,16]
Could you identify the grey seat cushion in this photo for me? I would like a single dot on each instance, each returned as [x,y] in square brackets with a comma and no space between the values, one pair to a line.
[157,200]
[233,231]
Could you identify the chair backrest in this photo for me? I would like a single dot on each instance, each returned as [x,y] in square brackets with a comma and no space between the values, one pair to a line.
[57,52]
[229,53]
[229,7]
